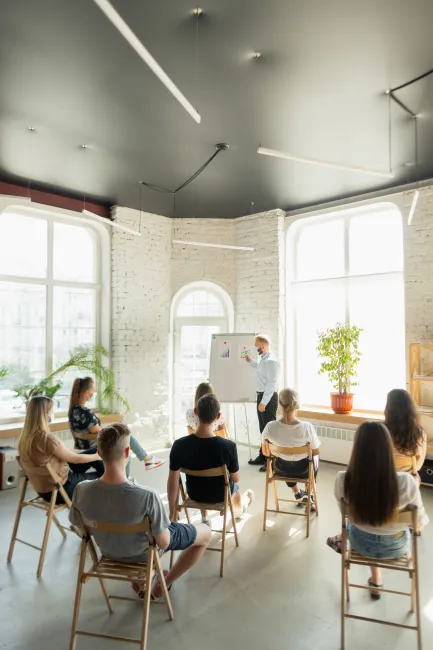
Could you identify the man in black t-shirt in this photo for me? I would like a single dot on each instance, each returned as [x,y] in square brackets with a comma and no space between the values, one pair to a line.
[204,450]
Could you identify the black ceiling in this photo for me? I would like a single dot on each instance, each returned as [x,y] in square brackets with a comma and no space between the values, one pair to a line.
[317,91]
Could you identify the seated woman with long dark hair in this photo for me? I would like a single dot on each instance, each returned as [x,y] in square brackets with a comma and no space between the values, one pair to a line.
[408,437]
[37,447]
[83,420]
[373,491]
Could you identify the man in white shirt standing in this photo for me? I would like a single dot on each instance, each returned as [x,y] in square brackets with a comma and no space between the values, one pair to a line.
[267,372]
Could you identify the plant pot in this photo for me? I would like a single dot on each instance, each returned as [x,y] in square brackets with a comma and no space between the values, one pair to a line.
[341,404]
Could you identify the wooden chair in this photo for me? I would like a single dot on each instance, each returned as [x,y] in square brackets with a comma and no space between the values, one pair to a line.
[407,563]
[50,508]
[187,504]
[272,479]
[222,433]
[403,462]
[106,569]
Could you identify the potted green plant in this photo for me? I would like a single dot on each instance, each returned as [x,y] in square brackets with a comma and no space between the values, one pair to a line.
[88,359]
[338,346]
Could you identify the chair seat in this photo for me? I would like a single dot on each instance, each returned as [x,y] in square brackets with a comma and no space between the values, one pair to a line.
[39,502]
[119,570]
[189,503]
[402,562]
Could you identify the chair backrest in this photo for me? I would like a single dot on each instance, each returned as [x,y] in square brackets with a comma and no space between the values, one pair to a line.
[403,462]
[290,451]
[408,515]
[47,470]
[119,529]
[208,473]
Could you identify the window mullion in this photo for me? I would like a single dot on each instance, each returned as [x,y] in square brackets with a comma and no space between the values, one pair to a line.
[346,268]
[50,290]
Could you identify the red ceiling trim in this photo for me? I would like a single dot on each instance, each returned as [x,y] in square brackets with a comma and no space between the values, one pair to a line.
[55,200]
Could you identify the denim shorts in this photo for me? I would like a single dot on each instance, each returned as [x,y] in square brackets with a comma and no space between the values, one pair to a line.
[182,536]
[381,547]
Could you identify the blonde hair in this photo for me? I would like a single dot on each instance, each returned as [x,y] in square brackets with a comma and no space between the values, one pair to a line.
[36,422]
[263,338]
[289,400]
[79,386]
[205,388]
[112,441]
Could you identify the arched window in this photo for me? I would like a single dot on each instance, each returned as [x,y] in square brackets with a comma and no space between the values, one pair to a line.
[198,310]
[348,267]
[50,302]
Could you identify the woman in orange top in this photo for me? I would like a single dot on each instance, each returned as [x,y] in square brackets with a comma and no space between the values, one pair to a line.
[408,437]
[37,447]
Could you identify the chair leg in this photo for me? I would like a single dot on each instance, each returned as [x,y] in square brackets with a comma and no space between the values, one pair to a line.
[77,601]
[315,497]
[235,530]
[17,518]
[50,514]
[343,602]
[223,542]
[59,527]
[266,494]
[159,571]
[146,600]
[277,503]
[94,556]
[308,508]
[416,581]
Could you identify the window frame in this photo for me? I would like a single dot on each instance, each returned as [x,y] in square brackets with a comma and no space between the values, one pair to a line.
[293,230]
[101,236]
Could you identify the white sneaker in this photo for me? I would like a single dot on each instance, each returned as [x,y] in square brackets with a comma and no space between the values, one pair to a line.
[153,462]
[247,499]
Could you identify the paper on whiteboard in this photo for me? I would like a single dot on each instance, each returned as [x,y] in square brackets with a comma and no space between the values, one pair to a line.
[243,351]
[223,350]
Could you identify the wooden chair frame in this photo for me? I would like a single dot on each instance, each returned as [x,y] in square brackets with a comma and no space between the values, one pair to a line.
[222,433]
[403,461]
[50,508]
[273,478]
[407,564]
[106,569]
[187,504]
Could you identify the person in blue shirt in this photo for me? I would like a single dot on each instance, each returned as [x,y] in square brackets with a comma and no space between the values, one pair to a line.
[267,371]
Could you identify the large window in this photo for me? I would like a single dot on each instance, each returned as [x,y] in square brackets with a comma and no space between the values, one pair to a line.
[49,299]
[199,311]
[348,267]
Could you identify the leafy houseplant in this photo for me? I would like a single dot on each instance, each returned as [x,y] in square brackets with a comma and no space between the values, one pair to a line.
[88,359]
[338,346]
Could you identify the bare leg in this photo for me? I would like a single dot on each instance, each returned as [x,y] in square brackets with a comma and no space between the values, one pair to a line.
[237,503]
[376,575]
[204,514]
[241,502]
[295,489]
[189,556]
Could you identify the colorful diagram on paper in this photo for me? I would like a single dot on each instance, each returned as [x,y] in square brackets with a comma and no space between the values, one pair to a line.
[224,350]
[244,351]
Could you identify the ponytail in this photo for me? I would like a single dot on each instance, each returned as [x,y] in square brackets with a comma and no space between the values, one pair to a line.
[79,386]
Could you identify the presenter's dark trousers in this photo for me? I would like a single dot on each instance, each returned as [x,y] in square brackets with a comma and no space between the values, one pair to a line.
[268,415]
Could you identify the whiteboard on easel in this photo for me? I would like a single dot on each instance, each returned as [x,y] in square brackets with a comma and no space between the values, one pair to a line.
[230,374]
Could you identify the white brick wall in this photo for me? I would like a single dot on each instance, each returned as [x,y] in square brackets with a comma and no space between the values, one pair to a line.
[140,318]
[418,242]
[189,264]
[147,272]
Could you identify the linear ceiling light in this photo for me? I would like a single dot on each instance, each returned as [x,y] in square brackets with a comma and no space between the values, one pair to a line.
[113,224]
[196,243]
[413,207]
[323,163]
[118,22]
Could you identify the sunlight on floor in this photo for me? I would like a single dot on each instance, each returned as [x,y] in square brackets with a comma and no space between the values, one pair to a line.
[428,610]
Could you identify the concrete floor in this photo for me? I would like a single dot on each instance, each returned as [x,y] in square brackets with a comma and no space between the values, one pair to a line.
[280,590]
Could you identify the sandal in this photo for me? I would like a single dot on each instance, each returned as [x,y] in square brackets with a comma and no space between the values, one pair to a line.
[375,595]
[334,543]
[156,592]
[140,591]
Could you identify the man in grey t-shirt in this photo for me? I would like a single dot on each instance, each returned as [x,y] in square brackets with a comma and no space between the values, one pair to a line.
[113,499]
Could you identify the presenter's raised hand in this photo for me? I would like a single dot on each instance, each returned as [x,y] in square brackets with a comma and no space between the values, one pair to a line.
[248,358]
